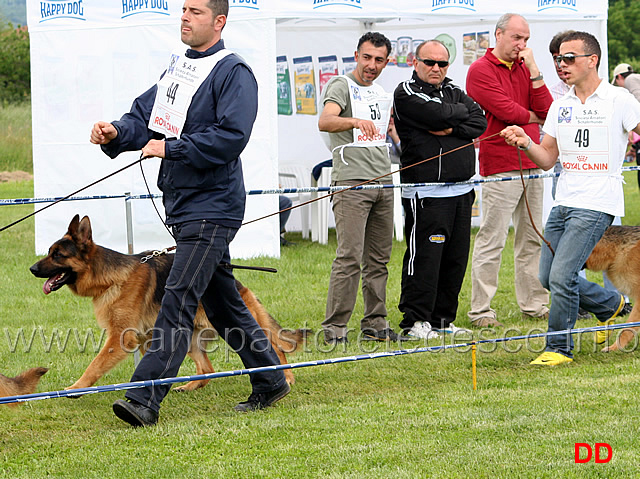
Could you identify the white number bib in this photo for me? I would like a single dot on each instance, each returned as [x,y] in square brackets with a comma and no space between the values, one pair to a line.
[584,139]
[370,103]
[176,89]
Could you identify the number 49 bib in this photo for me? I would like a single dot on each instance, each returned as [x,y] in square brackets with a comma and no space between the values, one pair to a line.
[176,89]
[584,139]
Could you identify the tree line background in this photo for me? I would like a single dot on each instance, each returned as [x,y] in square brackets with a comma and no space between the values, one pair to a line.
[15,75]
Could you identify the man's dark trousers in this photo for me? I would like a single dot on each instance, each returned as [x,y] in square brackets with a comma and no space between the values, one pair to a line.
[197,275]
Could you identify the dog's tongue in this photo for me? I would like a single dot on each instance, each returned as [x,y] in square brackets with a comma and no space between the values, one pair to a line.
[47,285]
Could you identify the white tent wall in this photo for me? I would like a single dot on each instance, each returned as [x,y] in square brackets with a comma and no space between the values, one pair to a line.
[91,58]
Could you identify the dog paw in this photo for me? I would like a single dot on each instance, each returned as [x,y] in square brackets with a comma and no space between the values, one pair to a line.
[74,396]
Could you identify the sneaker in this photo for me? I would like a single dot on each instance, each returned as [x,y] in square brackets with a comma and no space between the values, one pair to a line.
[626,310]
[458,333]
[387,334]
[486,322]
[602,336]
[549,358]
[262,400]
[135,413]
[422,330]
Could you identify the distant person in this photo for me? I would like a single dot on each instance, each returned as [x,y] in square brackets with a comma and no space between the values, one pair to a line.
[624,76]
[433,117]
[558,90]
[508,85]
[284,203]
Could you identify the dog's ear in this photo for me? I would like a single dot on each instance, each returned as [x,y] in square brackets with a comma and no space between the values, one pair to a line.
[84,230]
[73,226]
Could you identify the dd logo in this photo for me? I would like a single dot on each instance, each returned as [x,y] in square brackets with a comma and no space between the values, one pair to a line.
[598,446]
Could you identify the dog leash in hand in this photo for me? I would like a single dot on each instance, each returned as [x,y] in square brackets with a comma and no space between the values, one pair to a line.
[526,202]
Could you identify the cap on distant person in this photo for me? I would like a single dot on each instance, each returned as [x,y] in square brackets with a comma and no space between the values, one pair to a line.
[622,68]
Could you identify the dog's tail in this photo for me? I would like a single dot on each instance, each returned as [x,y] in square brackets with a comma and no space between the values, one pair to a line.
[286,340]
[24,383]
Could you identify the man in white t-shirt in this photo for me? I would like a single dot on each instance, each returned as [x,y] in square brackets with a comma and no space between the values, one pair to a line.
[588,129]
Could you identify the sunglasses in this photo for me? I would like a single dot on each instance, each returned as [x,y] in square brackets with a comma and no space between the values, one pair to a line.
[569,58]
[432,63]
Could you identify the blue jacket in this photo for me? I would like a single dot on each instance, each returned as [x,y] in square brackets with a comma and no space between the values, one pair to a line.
[201,174]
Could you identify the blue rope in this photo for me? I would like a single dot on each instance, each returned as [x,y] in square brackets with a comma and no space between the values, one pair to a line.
[320,362]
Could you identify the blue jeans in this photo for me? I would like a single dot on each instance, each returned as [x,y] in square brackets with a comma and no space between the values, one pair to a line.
[573,233]
[196,275]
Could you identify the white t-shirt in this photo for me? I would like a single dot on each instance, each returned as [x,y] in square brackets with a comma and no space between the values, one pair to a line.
[592,140]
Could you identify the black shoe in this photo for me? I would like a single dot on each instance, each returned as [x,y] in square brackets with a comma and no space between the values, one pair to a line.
[337,340]
[262,400]
[384,335]
[583,314]
[626,309]
[135,413]
[284,242]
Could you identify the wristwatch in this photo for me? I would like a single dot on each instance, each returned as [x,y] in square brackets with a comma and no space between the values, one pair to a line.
[539,77]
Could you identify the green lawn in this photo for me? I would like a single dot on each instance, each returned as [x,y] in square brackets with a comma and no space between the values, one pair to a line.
[402,417]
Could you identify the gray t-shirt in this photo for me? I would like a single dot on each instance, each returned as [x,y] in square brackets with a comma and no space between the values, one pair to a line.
[361,163]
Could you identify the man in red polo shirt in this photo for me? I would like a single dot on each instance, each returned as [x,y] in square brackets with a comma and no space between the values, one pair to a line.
[508,85]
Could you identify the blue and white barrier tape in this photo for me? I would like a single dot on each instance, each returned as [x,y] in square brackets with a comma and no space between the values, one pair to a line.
[304,189]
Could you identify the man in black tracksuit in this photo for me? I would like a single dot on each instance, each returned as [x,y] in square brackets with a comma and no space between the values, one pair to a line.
[434,116]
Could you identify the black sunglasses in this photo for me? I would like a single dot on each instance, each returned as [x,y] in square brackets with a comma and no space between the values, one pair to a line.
[569,58]
[432,63]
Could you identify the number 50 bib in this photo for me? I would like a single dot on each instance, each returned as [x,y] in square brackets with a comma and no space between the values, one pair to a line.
[176,89]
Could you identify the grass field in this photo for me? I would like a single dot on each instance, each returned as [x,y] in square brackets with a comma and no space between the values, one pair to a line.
[16,153]
[403,417]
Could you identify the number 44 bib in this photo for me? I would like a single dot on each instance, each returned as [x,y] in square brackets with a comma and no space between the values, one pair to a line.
[176,89]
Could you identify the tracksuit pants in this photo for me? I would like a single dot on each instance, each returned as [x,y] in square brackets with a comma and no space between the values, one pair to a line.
[438,233]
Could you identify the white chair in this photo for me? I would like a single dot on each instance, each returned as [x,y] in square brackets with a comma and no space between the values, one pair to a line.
[320,208]
[398,214]
[296,176]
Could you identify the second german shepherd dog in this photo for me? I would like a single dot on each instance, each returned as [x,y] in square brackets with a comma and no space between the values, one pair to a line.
[126,297]
[618,254]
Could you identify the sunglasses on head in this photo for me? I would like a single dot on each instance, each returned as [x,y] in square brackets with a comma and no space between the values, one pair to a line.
[432,63]
[569,58]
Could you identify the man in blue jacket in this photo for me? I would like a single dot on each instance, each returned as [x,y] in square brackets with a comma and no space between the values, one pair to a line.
[198,119]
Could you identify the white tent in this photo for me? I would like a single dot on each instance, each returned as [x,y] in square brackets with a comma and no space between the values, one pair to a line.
[91,59]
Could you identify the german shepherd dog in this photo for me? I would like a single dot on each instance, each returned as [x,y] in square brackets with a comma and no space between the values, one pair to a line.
[126,297]
[618,254]
[25,383]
